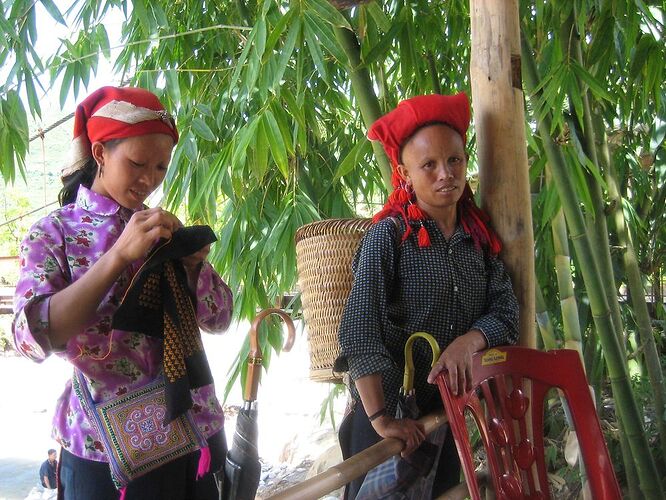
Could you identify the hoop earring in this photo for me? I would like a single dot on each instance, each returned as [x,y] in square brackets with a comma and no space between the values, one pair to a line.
[100,170]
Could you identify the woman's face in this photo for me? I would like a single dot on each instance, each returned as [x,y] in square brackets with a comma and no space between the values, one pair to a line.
[434,162]
[133,168]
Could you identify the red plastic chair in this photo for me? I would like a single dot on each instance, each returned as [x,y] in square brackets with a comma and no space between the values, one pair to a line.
[507,403]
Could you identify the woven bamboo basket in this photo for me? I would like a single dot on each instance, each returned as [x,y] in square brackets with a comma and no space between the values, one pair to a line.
[324,252]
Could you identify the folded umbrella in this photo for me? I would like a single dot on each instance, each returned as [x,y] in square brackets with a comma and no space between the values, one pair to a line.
[397,474]
[242,468]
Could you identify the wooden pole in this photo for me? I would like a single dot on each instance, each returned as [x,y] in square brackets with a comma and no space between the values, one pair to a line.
[499,121]
[341,474]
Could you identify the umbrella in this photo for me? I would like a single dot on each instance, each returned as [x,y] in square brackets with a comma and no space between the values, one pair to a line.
[397,473]
[242,468]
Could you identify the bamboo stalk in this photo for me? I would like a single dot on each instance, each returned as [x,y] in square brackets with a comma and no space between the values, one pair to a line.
[543,321]
[570,321]
[341,474]
[637,292]
[615,360]
[597,226]
[499,121]
[596,219]
[363,91]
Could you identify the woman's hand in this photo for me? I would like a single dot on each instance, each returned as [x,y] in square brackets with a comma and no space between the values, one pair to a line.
[457,360]
[144,229]
[192,265]
[192,262]
[409,431]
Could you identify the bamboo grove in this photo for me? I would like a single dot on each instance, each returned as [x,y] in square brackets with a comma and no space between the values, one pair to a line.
[273,98]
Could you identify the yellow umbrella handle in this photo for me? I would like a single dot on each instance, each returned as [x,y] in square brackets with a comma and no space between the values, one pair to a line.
[255,356]
[408,380]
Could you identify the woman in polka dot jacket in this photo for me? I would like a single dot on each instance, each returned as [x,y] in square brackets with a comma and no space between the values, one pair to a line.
[429,263]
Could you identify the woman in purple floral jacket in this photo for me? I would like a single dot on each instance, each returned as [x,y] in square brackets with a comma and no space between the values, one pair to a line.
[75,266]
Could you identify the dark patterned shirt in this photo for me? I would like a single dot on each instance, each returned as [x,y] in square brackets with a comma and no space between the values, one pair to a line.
[446,290]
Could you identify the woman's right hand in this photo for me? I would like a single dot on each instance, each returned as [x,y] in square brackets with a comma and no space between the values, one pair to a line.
[144,229]
[409,431]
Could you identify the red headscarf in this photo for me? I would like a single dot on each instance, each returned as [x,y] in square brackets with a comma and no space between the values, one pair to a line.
[116,113]
[393,129]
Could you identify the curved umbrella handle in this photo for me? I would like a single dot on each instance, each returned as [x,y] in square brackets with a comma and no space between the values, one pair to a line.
[408,380]
[255,356]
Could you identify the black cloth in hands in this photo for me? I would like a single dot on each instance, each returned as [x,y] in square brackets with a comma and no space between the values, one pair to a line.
[160,304]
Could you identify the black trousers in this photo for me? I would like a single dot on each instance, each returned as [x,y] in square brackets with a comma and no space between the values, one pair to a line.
[356,434]
[81,479]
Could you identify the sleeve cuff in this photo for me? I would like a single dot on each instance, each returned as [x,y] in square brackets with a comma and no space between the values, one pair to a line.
[493,329]
[31,327]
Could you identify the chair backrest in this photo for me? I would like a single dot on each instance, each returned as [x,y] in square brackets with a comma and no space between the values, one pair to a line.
[507,402]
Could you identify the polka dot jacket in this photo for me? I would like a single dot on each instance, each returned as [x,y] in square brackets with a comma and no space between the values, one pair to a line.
[446,290]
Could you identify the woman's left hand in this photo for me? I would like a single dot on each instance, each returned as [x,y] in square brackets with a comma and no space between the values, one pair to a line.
[192,261]
[457,360]
[192,265]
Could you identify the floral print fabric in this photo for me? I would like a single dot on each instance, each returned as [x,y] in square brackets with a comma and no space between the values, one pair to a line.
[58,250]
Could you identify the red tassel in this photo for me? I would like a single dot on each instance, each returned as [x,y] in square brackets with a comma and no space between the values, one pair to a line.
[424,237]
[396,178]
[204,462]
[402,197]
[415,213]
[122,493]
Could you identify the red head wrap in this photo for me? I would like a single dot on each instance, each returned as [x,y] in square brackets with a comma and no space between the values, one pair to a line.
[116,113]
[394,128]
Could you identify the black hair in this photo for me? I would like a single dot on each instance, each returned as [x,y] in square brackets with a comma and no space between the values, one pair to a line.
[51,451]
[84,176]
[417,130]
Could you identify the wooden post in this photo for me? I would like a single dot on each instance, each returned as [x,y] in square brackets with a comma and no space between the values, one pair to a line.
[499,121]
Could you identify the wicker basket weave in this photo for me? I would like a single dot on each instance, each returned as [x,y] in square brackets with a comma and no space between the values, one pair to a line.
[324,252]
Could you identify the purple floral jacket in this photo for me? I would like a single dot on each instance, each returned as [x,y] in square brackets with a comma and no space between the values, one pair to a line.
[58,250]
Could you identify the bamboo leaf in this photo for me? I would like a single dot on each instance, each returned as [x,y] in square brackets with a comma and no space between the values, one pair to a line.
[350,161]
[328,14]
[640,54]
[276,142]
[595,86]
[600,46]
[287,50]
[202,129]
[261,151]
[277,31]
[327,38]
[53,11]
[315,50]
[378,15]
[65,85]
[244,138]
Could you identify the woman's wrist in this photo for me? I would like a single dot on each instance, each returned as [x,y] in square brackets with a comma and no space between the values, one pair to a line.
[380,423]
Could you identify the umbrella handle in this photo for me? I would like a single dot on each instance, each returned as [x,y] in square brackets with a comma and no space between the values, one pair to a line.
[408,380]
[255,356]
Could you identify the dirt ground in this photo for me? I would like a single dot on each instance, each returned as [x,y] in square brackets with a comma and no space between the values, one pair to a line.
[291,437]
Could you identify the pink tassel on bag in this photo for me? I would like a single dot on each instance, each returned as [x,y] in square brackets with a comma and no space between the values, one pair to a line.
[122,493]
[204,462]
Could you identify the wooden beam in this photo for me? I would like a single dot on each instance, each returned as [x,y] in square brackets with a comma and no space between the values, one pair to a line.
[341,474]
[499,121]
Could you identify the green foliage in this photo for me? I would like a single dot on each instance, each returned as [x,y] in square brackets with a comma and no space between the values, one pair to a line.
[273,135]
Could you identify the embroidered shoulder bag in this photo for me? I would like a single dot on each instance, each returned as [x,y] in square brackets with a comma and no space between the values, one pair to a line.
[132,430]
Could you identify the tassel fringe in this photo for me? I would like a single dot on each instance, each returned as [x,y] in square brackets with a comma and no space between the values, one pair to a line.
[423,237]
[204,462]
[474,221]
